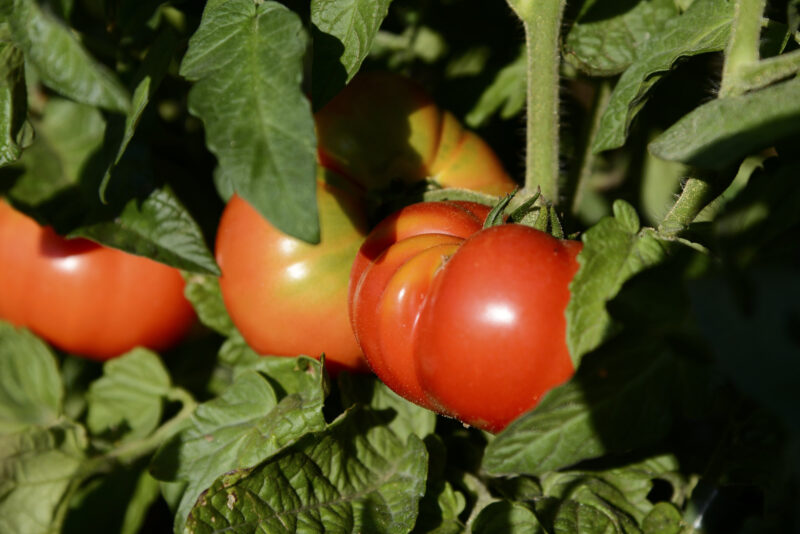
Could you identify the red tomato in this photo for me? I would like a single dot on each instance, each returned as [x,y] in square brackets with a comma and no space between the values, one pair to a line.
[84,298]
[287,297]
[472,326]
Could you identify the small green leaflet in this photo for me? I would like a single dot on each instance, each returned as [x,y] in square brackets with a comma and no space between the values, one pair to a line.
[723,131]
[38,467]
[343,34]
[126,403]
[613,250]
[356,476]
[606,40]
[242,427]
[72,71]
[704,27]
[13,103]
[149,77]
[158,227]
[31,392]
[246,60]
[506,94]
[507,517]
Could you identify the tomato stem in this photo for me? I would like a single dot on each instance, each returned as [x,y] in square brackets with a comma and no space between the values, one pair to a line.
[696,194]
[542,23]
[743,47]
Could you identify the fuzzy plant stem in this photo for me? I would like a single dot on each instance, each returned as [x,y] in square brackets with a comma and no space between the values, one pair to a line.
[542,23]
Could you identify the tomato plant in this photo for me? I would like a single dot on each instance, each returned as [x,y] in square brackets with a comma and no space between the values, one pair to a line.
[381,130]
[466,321]
[83,297]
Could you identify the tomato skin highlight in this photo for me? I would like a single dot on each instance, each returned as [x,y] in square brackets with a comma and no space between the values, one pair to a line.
[85,298]
[286,296]
[491,338]
[475,329]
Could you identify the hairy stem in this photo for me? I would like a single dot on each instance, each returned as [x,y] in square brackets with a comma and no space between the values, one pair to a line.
[696,194]
[743,47]
[542,22]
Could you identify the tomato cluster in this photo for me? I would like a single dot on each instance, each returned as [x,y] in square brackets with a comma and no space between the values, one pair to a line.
[463,320]
[85,298]
[288,297]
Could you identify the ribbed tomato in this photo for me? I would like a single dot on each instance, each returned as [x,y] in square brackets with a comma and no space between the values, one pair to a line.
[85,298]
[469,323]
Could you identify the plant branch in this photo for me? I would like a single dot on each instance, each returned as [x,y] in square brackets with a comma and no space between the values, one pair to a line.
[542,23]
[696,194]
[743,47]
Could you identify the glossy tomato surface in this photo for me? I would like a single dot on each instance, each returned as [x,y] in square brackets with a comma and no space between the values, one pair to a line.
[469,325]
[84,298]
[288,297]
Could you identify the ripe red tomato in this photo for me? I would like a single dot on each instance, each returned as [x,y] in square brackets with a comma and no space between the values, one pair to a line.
[287,297]
[85,298]
[470,325]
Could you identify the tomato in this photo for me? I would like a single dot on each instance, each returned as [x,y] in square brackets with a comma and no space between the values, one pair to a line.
[85,298]
[469,324]
[288,297]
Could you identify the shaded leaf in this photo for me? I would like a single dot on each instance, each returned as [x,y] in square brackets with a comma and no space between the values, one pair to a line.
[127,401]
[239,429]
[405,417]
[204,294]
[664,518]
[246,62]
[343,34]
[724,131]
[606,38]
[357,476]
[577,518]
[505,516]
[703,28]
[506,94]
[37,468]
[31,392]
[613,250]
[13,104]
[60,60]
[618,399]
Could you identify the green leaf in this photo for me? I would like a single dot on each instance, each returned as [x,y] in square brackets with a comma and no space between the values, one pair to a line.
[204,294]
[60,60]
[505,94]
[357,476]
[507,517]
[755,315]
[618,399]
[116,502]
[239,429]
[343,34]
[13,104]
[725,130]
[148,78]
[247,61]
[157,226]
[37,470]
[703,28]
[126,403]
[607,36]
[31,392]
[664,518]
[405,417]
[613,250]
[577,518]
[67,136]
